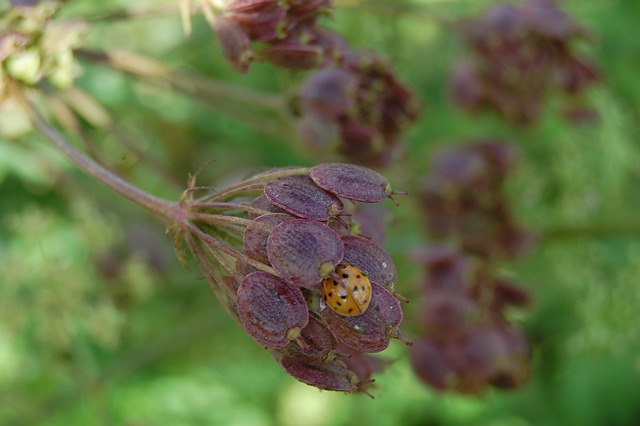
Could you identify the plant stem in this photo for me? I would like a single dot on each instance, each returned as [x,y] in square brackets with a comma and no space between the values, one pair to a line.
[163,208]
[596,231]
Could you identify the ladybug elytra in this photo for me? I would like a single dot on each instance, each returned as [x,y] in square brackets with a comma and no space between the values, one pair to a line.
[351,296]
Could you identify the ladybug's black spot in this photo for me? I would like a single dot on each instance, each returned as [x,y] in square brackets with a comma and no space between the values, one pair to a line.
[362,288]
[355,288]
[358,276]
[330,294]
[344,297]
[345,275]
[338,303]
[335,282]
[325,297]
[350,310]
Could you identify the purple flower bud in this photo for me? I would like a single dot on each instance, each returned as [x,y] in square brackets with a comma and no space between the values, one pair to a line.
[271,310]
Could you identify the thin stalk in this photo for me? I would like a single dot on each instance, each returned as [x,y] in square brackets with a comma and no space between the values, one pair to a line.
[230,251]
[253,183]
[229,206]
[219,220]
[163,208]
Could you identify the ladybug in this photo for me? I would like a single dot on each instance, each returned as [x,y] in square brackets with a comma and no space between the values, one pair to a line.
[351,295]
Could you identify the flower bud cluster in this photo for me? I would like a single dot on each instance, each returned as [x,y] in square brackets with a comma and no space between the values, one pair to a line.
[33,47]
[519,56]
[352,104]
[360,104]
[267,245]
[463,200]
[467,342]
[288,31]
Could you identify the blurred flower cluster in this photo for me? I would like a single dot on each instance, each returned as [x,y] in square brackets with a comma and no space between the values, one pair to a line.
[34,48]
[519,56]
[359,105]
[267,245]
[352,104]
[467,341]
[288,30]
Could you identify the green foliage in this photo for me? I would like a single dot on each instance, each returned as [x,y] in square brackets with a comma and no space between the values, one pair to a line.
[96,330]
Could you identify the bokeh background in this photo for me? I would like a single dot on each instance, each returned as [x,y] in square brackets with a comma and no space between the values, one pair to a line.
[101,325]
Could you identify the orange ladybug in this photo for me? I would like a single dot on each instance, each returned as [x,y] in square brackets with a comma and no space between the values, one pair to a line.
[352,296]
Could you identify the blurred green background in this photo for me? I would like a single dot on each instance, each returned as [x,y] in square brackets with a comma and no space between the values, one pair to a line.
[101,325]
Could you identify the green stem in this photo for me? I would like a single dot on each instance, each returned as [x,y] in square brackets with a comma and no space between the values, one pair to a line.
[163,208]
[598,231]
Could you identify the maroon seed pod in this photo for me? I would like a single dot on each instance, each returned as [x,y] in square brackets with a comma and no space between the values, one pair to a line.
[299,196]
[467,87]
[330,376]
[263,203]
[484,350]
[271,310]
[352,182]
[304,251]
[302,9]
[433,363]
[370,259]
[448,314]
[316,134]
[371,331]
[293,55]
[235,43]
[269,16]
[369,220]
[252,6]
[329,93]
[363,365]
[462,167]
[254,241]
[315,345]
[517,367]
[507,293]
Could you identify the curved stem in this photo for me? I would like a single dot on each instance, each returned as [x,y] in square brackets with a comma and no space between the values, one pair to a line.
[228,250]
[164,208]
[254,183]
[229,206]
